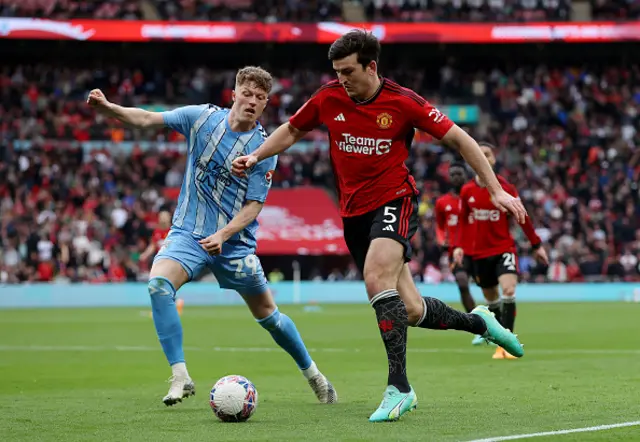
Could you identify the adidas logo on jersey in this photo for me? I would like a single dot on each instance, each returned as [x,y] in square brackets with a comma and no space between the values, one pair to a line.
[388,229]
[472,200]
[340,118]
[448,208]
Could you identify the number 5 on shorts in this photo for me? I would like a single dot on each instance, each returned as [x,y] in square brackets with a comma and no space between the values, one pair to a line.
[388,213]
[250,262]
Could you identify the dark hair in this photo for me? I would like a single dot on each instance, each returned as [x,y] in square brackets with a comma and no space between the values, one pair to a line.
[356,41]
[458,164]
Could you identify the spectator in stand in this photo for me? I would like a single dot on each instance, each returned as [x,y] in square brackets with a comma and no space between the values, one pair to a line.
[66,9]
[567,138]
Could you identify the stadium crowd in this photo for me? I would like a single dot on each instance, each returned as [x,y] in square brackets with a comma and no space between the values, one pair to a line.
[318,10]
[566,138]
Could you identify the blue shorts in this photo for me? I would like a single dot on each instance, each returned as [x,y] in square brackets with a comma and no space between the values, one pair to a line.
[242,273]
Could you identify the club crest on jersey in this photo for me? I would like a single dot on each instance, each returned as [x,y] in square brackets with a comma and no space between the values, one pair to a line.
[384,120]
[269,176]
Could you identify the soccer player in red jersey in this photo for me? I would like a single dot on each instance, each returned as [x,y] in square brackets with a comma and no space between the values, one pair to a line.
[371,122]
[447,211]
[158,236]
[493,249]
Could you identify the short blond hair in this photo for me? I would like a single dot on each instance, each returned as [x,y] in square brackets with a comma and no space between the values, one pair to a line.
[257,75]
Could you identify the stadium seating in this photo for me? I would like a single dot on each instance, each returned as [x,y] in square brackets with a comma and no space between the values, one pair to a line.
[321,10]
[567,137]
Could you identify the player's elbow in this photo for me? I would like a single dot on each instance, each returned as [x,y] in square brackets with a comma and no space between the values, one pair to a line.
[145,121]
[253,209]
[295,133]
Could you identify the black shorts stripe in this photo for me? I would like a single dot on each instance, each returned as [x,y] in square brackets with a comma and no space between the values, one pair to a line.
[404,219]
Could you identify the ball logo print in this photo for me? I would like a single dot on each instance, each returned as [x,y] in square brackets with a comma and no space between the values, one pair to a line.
[384,120]
[233,399]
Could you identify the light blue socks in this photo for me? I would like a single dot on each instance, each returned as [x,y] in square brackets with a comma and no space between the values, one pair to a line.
[166,318]
[286,335]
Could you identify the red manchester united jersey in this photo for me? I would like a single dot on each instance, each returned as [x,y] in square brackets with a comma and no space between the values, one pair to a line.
[447,211]
[370,140]
[490,234]
[158,237]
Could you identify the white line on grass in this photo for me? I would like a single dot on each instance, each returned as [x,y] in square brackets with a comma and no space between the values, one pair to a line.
[559,432]
[62,348]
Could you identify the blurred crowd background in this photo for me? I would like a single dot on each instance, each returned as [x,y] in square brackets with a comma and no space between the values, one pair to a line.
[322,10]
[76,205]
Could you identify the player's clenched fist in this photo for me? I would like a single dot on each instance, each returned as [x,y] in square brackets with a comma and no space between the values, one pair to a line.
[212,244]
[97,99]
[241,164]
[458,256]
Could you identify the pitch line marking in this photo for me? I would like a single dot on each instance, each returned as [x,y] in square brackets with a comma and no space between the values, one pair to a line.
[559,432]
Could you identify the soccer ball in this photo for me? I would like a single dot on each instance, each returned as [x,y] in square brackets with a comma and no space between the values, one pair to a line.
[233,399]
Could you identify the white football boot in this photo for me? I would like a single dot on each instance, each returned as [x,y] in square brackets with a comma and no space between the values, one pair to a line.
[181,385]
[320,385]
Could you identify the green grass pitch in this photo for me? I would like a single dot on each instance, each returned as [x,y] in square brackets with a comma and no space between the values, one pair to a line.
[99,375]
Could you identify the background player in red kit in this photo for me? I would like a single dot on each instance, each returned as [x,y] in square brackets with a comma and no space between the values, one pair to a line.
[447,211]
[371,123]
[494,249]
[158,236]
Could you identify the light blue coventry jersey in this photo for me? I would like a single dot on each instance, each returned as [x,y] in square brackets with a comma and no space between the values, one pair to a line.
[211,195]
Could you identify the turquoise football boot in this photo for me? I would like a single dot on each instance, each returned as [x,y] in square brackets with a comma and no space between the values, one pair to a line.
[497,334]
[394,404]
[478,340]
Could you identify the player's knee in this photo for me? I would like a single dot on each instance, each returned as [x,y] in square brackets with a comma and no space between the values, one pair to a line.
[271,322]
[375,281]
[378,278]
[159,286]
[491,294]
[414,312]
[509,290]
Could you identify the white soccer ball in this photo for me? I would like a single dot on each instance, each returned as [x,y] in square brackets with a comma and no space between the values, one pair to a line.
[233,399]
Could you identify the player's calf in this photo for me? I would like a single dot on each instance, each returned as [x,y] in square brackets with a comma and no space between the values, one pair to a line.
[286,335]
[494,303]
[508,284]
[283,330]
[439,316]
[382,269]
[462,280]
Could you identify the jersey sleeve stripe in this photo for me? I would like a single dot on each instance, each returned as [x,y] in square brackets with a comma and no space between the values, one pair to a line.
[330,85]
[397,89]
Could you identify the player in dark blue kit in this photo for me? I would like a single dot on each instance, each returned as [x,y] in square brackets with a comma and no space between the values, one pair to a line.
[214,225]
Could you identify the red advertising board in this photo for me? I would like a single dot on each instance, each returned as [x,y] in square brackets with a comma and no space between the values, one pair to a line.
[300,221]
[327,32]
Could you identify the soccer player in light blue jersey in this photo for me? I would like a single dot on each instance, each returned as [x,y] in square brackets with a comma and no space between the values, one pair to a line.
[214,225]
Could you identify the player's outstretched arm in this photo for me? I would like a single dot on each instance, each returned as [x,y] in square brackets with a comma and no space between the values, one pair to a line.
[249,212]
[458,139]
[128,115]
[280,140]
